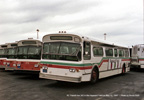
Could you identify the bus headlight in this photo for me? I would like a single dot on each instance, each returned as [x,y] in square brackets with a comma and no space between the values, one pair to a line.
[14,65]
[36,65]
[4,63]
[72,70]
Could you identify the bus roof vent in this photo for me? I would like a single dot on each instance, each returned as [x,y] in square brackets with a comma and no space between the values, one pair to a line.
[62,31]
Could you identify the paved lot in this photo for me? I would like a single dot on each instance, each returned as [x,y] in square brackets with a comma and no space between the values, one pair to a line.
[27,87]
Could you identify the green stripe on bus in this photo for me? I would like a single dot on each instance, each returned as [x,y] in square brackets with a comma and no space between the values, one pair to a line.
[87,64]
[141,58]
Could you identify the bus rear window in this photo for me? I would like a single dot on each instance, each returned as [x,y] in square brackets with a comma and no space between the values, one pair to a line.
[60,37]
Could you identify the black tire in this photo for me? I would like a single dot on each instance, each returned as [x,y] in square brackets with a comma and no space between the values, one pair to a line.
[94,76]
[123,70]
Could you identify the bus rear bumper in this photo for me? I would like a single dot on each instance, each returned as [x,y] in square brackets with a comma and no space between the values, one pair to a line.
[60,78]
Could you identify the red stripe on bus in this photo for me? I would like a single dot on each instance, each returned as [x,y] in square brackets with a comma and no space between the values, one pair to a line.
[102,62]
[141,59]
[125,59]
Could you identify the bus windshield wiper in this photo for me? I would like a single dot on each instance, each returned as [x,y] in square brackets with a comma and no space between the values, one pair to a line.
[76,52]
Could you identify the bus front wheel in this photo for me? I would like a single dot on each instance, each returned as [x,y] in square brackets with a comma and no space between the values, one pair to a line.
[94,75]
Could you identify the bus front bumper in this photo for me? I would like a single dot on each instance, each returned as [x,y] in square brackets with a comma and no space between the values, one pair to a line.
[2,66]
[9,68]
[60,78]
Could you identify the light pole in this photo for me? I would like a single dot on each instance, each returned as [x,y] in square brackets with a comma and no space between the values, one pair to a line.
[143,21]
[37,33]
[105,36]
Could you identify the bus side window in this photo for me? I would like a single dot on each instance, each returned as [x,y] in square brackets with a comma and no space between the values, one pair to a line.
[126,53]
[115,52]
[109,52]
[121,53]
[98,51]
[87,53]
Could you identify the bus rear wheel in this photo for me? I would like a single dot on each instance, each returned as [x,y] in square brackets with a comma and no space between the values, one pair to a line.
[94,76]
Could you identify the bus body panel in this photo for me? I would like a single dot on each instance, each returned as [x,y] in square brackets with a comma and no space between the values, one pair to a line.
[60,72]
[2,62]
[10,64]
[137,59]
[28,64]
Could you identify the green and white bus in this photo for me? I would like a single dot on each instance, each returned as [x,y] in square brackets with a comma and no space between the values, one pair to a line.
[75,58]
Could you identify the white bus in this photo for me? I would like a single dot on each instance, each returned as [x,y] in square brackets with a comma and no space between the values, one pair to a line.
[28,56]
[3,55]
[74,58]
[11,56]
[137,59]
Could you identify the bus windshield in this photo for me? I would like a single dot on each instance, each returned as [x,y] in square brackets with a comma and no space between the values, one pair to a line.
[62,51]
[29,52]
[11,53]
[3,53]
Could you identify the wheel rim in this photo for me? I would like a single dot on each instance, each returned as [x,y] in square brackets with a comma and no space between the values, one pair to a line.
[123,70]
[94,76]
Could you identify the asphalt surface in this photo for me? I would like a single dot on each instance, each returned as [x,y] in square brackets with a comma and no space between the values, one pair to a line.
[15,86]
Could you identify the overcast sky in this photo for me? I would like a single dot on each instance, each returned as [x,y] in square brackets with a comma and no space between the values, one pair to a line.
[122,20]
